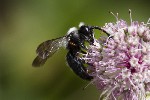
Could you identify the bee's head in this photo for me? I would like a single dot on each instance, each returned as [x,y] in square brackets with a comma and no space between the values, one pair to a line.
[86,33]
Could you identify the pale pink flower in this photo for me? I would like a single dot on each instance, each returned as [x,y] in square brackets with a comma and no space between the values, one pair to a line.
[120,63]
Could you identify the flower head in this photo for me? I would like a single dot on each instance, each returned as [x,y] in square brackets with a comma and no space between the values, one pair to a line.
[120,62]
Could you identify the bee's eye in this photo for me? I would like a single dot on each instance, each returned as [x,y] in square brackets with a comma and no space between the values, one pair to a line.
[85,29]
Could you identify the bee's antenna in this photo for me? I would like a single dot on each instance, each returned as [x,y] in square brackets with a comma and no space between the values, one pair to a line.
[96,27]
[99,28]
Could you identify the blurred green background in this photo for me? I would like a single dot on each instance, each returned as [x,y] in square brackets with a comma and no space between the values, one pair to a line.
[26,23]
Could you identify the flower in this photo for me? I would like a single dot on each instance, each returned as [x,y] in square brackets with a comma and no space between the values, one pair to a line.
[120,62]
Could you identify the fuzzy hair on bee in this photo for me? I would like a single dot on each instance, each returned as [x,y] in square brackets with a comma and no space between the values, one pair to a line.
[74,42]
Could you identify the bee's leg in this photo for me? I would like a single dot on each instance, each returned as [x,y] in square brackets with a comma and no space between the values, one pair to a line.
[77,66]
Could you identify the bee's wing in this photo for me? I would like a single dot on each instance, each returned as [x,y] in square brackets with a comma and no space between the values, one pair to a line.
[47,49]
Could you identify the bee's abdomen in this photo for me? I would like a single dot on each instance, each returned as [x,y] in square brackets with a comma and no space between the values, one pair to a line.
[77,66]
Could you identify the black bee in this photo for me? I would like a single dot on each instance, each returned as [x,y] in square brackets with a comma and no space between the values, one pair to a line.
[74,42]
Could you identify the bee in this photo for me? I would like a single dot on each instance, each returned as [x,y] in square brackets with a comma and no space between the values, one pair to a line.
[74,42]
